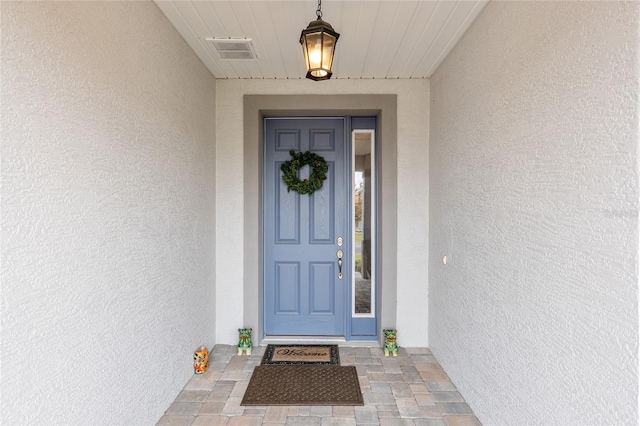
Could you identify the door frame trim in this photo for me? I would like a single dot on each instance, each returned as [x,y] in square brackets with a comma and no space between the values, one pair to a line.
[256,107]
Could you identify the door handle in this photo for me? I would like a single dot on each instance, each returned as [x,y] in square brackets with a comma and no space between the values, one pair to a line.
[339,254]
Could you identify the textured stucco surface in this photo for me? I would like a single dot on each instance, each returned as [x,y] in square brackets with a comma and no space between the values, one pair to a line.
[107,174]
[534,199]
[412,183]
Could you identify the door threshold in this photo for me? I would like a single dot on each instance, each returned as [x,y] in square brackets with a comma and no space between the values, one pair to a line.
[318,340]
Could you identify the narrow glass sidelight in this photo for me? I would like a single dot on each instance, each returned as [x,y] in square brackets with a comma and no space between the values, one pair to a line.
[363,224]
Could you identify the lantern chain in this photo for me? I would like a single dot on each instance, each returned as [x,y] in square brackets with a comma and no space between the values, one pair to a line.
[319,11]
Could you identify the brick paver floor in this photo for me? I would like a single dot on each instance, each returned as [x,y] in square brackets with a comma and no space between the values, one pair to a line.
[410,389]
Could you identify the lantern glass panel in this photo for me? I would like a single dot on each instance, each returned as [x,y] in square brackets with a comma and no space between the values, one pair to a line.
[314,49]
[305,52]
[327,51]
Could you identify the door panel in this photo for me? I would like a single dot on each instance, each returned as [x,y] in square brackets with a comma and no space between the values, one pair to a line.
[302,292]
[287,283]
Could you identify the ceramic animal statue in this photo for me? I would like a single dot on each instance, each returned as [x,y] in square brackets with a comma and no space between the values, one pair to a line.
[390,344]
[201,360]
[245,341]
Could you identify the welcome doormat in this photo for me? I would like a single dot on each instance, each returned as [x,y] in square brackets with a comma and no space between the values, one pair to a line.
[303,385]
[301,354]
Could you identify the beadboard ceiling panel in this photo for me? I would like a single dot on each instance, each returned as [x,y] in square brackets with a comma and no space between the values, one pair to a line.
[378,38]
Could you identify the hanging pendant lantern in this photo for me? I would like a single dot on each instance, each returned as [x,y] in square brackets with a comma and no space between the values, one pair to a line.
[318,42]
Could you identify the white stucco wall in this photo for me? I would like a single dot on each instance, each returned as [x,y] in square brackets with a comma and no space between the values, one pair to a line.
[413,157]
[534,199]
[107,174]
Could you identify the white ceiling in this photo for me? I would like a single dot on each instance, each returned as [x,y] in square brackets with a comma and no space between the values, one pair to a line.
[378,39]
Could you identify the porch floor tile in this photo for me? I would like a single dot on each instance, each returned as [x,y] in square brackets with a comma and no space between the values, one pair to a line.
[410,389]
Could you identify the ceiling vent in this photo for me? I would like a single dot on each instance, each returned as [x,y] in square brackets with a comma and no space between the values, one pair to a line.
[234,49]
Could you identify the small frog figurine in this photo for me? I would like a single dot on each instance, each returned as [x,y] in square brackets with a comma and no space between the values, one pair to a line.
[390,344]
[201,360]
[245,341]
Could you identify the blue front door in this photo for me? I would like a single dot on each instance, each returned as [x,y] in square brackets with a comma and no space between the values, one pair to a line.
[303,293]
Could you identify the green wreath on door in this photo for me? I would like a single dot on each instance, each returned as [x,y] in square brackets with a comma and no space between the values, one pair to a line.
[298,160]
